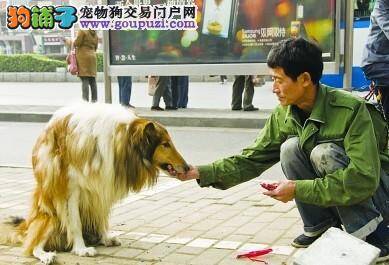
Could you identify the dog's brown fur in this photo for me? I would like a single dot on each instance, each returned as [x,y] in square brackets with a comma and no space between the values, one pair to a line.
[78,165]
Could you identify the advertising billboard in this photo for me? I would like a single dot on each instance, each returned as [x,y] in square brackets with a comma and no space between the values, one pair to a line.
[230,33]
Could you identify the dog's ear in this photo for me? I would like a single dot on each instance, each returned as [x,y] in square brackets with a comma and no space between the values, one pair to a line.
[151,140]
[149,129]
[150,133]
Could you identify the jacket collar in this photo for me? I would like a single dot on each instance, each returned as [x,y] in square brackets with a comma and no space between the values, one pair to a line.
[318,111]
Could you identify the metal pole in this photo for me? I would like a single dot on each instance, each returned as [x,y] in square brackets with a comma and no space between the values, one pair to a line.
[348,45]
[107,77]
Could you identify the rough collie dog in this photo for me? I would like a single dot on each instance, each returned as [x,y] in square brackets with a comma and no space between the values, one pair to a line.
[87,158]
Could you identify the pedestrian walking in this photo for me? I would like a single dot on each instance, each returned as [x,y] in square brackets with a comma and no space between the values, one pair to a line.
[375,61]
[163,89]
[223,79]
[180,89]
[243,87]
[125,86]
[86,46]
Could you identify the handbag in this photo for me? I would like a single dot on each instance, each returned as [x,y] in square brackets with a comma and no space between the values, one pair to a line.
[152,85]
[72,62]
[257,80]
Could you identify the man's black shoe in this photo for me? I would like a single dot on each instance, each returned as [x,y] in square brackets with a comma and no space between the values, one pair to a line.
[380,239]
[156,108]
[171,108]
[252,108]
[239,108]
[384,254]
[303,241]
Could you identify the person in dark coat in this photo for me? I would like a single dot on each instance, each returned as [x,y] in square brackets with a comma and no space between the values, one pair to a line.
[86,46]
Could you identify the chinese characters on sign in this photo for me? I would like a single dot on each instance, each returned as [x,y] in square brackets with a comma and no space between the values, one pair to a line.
[138,12]
[114,17]
[124,58]
[262,36]
[157,32]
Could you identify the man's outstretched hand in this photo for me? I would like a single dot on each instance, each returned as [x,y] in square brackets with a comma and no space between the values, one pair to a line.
[192,173]
[284,192]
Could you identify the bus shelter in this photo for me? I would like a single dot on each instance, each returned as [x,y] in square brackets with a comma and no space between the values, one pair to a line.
[233,37]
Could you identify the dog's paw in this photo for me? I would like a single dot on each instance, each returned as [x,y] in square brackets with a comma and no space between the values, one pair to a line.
[111,242]
[47,257]
[85,252]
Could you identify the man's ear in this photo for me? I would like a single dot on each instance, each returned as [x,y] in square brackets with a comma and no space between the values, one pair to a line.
[304,78]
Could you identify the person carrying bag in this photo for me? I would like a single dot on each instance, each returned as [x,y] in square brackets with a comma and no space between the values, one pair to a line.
[86,44]
[71,59]
[152,85]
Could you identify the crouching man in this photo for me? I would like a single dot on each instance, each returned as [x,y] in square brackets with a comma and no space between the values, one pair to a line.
[332,147]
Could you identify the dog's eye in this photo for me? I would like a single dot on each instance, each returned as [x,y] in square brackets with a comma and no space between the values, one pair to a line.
[167,145]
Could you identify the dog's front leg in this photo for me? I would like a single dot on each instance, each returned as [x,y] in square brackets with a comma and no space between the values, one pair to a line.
[44,256]
[43,230]
[109,241]
[106,240]
[75,225]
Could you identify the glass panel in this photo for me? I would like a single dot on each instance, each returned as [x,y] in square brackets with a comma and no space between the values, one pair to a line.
[229,31]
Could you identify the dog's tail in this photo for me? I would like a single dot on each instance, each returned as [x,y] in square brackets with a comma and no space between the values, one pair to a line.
[12,230]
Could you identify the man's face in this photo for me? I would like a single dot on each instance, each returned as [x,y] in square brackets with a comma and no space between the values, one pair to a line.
[289,92]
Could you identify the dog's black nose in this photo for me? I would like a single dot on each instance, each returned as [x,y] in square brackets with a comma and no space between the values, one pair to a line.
[186,168]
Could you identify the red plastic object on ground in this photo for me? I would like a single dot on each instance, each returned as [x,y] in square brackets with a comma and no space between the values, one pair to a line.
[257,253]
[269,186]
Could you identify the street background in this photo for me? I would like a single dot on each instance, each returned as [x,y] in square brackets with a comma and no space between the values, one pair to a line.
[208,95]
[173,223]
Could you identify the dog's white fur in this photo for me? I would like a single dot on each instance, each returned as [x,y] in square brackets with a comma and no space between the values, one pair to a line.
[88,157]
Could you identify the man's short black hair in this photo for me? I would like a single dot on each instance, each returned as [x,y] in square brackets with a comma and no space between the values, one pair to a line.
[296,56]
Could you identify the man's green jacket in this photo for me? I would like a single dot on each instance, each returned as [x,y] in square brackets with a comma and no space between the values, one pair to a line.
[338,117]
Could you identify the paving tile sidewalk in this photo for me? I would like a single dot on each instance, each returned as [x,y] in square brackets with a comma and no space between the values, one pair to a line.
[174,223]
